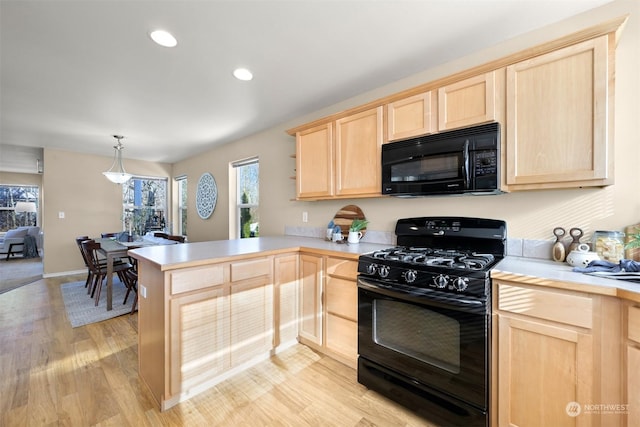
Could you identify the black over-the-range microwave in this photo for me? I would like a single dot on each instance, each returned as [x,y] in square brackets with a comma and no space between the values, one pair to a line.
[461,161]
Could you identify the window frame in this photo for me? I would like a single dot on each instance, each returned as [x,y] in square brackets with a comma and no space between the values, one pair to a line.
[134,227]
[236,205]
[33,195]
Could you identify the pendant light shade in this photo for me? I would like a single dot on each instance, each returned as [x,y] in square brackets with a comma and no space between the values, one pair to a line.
[117,174]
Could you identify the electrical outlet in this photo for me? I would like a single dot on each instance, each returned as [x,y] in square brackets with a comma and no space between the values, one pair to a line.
[305,216]
[61,215]
[143,291]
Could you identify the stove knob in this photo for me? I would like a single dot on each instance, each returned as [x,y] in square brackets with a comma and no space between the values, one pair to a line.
[460,284]
[441,281]
[371,268]
[410,276]
[383,271]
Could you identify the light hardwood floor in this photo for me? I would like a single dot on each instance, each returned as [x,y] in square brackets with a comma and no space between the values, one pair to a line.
[55,375]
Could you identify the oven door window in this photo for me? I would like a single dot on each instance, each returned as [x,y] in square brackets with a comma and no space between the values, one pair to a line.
[428,169]
[406,328]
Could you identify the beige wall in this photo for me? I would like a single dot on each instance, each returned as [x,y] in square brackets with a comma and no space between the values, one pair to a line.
[73,183]
[530,214]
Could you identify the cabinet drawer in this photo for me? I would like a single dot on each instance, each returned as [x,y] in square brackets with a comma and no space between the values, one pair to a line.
[191,279]
[574,310]
[342,336]
[633,324]
[342,267]
[249,269]
[342,298]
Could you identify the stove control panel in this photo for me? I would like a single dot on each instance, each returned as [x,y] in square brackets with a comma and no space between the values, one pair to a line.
[442,225]
[469,283]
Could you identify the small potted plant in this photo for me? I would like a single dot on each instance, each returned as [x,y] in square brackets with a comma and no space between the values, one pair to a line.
[634,240]
[355,230]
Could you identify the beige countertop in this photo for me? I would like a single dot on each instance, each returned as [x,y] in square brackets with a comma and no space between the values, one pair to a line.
[561,276]
[170,257]
[525,270]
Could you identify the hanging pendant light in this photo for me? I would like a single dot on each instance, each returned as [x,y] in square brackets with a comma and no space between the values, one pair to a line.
[117,174]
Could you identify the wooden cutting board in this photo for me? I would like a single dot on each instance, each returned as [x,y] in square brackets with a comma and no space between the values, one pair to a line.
[633,254]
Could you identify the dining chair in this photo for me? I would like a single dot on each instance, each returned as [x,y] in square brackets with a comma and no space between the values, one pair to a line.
[132,276]
[179,239]
[79,241]
[99,269]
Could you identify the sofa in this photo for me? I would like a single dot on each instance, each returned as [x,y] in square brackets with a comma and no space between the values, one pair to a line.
[21,240]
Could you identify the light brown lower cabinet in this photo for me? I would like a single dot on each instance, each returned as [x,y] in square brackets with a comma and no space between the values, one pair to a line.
[341,310]
[286,298]
[632,365]
[329,306]
[311,290]
[198,325]
[558,357]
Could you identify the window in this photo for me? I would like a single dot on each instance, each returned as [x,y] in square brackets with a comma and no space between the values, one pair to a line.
[181,182]
[10,195]
[247,197]
[144,205]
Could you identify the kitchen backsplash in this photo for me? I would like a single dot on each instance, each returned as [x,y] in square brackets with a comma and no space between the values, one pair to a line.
[540,249]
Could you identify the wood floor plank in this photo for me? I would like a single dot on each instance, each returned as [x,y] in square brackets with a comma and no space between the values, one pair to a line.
[53,374]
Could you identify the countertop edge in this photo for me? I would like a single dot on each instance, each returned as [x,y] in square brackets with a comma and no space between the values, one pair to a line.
[556,275]
[185,255]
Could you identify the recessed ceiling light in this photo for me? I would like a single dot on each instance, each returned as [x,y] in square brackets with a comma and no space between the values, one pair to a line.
[242,74]
[163,38]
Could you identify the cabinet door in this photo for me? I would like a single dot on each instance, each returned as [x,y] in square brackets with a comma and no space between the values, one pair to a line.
[557,118]
[541,370]
[314,162]
[468,102]
[251,319]
[633,385]
[286,298]
[199,338]
[412,116]
[311,290]
[358,152]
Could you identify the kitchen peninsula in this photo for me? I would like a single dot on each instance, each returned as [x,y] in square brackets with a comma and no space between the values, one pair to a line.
[208,310]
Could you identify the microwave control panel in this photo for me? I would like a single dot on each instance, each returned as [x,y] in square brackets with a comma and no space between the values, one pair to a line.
[486,162]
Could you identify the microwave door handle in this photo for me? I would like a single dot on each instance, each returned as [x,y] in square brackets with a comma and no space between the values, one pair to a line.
[465,165]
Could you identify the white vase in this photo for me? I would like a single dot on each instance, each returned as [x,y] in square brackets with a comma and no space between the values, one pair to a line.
[354,237]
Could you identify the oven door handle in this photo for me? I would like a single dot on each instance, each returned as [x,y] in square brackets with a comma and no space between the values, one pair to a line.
[434,297]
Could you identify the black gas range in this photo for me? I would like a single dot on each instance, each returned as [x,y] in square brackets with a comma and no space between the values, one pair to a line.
[424,317]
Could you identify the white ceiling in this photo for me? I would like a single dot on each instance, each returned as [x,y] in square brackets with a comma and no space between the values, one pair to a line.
[75,72]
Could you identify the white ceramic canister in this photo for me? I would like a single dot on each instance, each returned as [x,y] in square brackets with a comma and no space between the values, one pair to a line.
[581,257]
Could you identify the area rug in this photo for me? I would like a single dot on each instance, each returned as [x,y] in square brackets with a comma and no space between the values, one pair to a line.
[19,272]
[80,306]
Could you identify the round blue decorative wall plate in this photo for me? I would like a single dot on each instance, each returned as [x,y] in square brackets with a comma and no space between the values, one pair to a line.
[206,195]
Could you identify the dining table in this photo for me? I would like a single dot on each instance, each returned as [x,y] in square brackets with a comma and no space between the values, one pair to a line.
[112,250]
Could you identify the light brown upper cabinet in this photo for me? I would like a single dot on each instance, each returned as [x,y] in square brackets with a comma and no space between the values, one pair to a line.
[412,116]
[314,162]
[344,164]
[358,152]
[467,102]
[558,118]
